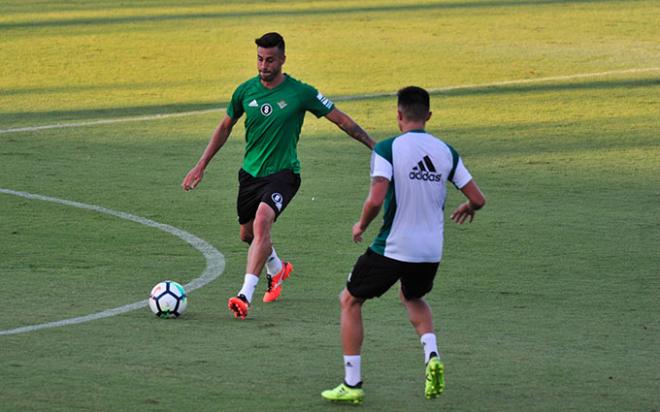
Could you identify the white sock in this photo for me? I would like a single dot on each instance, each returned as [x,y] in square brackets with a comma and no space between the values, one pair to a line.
[429,344]
[352,370]
[249,285]
[273,263]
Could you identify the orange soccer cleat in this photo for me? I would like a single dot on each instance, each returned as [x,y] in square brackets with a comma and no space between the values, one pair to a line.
[238,305]
[275,282]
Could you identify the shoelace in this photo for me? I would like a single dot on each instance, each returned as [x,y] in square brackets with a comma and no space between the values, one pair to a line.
[270,283]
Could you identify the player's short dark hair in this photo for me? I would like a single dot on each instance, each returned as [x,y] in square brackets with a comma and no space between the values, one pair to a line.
[414,103]
[270,40]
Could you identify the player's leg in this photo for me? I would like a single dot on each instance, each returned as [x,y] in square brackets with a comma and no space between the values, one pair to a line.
[247,232]
[282,188]
[274,264]
[352,334]
[247,204]
[262,245]
[419,314]
[351,329]
[372,276]
[259,250]
[274,192]
[417,281]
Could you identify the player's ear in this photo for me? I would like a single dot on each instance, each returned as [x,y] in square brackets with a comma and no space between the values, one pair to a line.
[399,115]
[428,116]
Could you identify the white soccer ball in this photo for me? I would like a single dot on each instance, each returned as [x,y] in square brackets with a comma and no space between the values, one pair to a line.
[168,299]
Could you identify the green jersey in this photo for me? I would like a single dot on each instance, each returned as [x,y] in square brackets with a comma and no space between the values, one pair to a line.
[273,120]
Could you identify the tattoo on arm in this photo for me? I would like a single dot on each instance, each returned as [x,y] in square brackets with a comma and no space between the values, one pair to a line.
[348,125]
[357,133]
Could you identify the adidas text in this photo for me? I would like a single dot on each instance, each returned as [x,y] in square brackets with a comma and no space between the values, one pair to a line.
[425,176]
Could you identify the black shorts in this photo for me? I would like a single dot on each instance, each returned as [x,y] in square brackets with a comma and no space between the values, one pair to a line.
[374,274]
[276,190]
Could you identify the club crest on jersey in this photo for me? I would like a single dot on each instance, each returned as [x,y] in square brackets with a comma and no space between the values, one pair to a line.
[266,109]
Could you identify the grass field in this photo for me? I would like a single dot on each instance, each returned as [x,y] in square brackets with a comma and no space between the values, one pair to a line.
[547,302]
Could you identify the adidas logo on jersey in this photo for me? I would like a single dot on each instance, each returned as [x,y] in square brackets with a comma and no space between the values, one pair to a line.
[425,170]
[253,103]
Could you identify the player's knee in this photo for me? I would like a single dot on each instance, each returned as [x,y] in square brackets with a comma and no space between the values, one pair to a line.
[263,223]
[348,301]
[247,237]
[402,297]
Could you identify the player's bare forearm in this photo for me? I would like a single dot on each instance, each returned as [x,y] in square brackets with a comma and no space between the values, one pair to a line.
[218,139]
[377,193]
[348,125]
[356,132]
[369,213]
[475,201]
[372,206]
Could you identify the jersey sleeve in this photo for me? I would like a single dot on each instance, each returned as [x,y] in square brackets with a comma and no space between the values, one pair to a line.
[315,102]
[461,176]
[381,160]
[235,108]
[458,175]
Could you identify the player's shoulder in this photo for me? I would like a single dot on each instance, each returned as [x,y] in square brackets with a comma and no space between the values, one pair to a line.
[299,84]
[384,147]
[441,146]
[428,139]
[250,83]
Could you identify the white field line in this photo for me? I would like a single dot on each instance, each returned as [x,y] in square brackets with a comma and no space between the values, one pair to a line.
[109,121]
[339,99]
[215,261]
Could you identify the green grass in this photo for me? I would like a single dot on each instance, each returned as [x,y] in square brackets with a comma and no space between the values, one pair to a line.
[548,301]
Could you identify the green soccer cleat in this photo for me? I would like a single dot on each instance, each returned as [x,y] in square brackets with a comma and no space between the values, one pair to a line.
[435,378]
[344,394]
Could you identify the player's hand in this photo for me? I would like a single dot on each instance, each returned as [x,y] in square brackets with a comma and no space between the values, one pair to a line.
[193,178]
[462,213]
[357,232]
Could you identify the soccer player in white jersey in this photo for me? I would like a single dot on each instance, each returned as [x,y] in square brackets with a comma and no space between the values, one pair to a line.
[409,175]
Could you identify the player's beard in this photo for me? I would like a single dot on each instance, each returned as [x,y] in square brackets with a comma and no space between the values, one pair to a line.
[269,76]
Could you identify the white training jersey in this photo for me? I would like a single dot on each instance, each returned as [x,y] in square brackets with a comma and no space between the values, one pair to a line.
[418,165]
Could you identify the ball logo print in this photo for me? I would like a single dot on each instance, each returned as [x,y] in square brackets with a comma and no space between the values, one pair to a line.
[278,200]
[266,109]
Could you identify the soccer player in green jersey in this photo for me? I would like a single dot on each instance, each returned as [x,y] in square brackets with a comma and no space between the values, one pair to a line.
[274,105]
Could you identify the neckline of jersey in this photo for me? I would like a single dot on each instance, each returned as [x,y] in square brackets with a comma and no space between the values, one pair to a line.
[416,131]
[286,79]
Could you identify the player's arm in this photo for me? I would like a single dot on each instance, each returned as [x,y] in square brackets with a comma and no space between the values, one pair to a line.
[348,125]
[371,207]
[218,139]
[475,201]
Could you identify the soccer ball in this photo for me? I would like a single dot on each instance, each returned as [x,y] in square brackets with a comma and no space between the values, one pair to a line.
[168,299]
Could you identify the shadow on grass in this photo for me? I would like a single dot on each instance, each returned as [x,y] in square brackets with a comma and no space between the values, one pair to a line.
[59,116]
[44,117]
[155,18]
[64,89]
[550,87]
[536,87]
